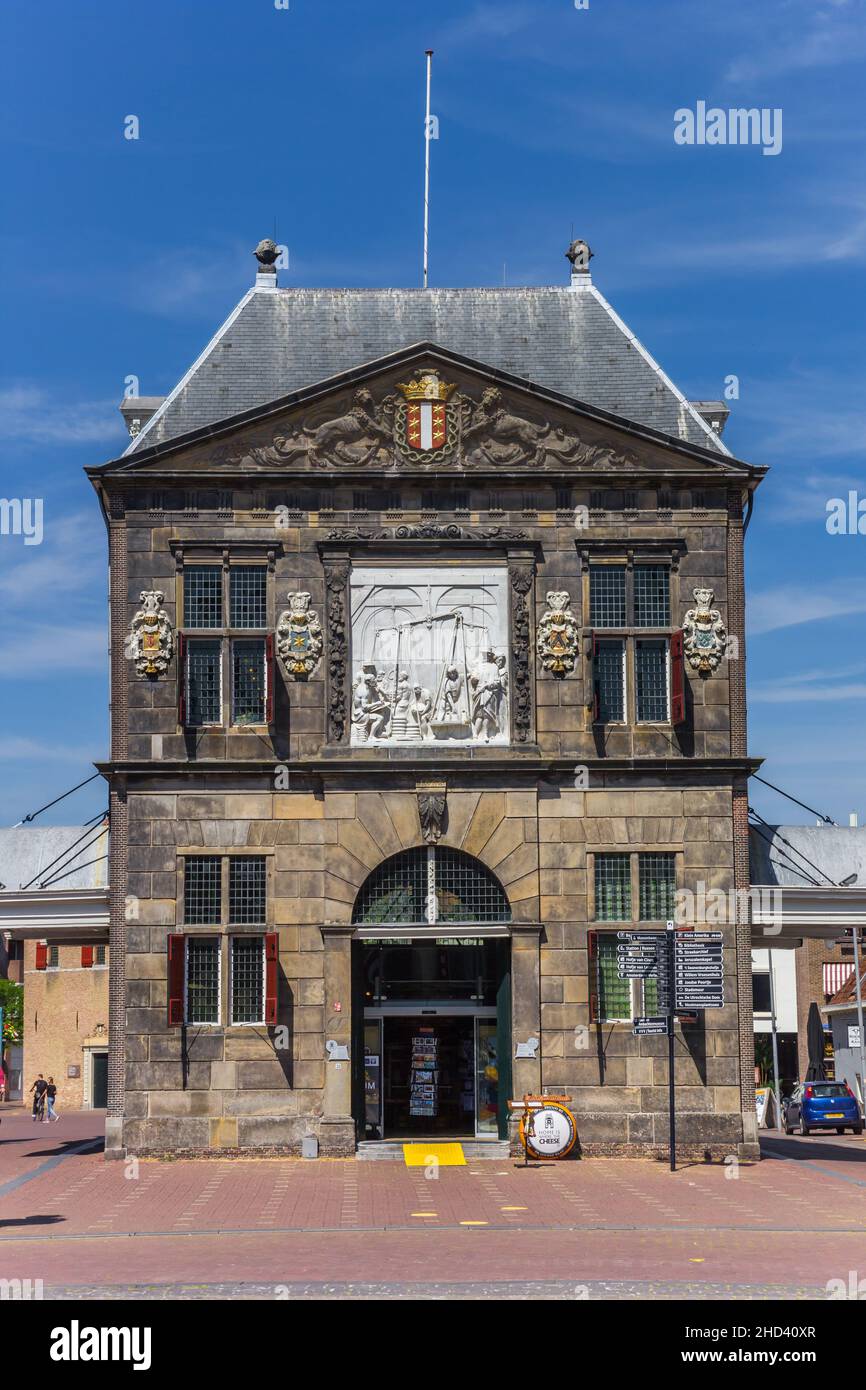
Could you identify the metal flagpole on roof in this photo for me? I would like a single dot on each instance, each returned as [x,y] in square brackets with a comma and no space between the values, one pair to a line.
[429,54]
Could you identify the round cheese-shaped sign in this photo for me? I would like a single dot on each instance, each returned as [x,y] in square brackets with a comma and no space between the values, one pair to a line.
[551,1133]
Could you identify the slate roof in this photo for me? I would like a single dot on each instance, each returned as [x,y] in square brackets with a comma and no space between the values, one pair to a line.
[28,852]
[835,851]
[277,341]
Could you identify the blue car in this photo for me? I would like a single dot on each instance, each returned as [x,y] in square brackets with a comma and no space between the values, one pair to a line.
[822,1105]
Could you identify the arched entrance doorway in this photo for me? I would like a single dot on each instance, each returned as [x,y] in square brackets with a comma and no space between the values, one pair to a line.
[432,999]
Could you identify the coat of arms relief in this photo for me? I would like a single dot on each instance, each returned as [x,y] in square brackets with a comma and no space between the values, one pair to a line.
[556,641]
[150,641]
[704,635]
[299,637]
[427,421]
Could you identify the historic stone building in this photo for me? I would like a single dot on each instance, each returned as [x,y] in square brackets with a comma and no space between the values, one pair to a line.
[422,690]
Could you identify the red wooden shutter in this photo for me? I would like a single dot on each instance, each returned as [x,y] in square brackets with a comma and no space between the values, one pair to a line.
[592,971]
[272,957]
[41,956]
[181,680]
[176,955]
[678,680]
[596,706]
[269,678]
[87,957]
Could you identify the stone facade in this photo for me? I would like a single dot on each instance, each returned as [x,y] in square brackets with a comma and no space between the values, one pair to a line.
[324,810]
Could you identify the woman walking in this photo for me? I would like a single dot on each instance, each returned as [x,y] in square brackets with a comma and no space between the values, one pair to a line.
[51,1096]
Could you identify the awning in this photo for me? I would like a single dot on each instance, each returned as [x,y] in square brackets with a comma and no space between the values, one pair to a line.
[836,974]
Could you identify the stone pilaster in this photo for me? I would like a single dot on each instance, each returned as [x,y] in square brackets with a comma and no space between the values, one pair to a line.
[337,1127]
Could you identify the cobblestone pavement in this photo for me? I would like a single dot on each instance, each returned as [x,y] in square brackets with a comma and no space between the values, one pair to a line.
[264,1228]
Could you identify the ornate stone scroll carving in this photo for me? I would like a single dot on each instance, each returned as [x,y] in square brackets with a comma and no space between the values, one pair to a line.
[427,531]
[556,641]
[336,583]
[704,635]
[522,577]
[150,642]
[299,637]
[431,810]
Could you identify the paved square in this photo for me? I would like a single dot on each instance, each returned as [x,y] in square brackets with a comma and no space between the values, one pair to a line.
[286,1227]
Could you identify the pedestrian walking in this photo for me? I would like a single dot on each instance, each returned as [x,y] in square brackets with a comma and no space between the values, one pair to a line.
[37,1090]
[51,1096]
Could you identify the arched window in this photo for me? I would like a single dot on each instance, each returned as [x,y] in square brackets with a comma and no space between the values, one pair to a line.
[398,892]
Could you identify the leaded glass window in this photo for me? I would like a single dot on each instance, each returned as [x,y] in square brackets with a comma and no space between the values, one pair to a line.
[202,890]
[247,889]
[202,596]
[249,681]
[609,679]
[652,605]
[651,680]
[247,979]
[607,607]
[248,596]
[657,878]
[431,885]
[614,994]
[202,979]
[613,888]
[204,682]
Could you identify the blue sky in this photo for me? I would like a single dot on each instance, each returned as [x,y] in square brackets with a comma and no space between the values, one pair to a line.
[123,257]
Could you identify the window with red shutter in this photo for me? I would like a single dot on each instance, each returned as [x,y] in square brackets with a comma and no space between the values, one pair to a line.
[176,972]
[87,957]
[269,678]
[41,955]
[272,960]
[678,679]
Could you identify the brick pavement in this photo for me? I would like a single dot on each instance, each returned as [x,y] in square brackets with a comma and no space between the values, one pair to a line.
[788,1223]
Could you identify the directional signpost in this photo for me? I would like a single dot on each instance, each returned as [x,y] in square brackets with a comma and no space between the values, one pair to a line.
[688,970]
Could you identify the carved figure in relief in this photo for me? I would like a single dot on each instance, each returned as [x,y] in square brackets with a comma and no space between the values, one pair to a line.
[371,708]
[488,694]
[451,693]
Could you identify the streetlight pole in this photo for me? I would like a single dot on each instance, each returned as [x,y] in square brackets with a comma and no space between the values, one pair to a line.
[859,994]
[773,1033]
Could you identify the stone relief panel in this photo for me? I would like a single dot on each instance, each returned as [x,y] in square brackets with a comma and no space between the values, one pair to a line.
[430,655]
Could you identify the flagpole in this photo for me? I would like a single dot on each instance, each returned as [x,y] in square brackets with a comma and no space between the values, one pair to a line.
[429,55]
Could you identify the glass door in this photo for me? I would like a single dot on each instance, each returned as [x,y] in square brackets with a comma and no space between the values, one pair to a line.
[486,1078]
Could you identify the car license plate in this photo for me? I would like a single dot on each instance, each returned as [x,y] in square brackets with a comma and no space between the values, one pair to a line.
[834,1115]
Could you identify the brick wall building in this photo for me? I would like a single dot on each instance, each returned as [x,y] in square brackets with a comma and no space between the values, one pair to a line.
[420,695]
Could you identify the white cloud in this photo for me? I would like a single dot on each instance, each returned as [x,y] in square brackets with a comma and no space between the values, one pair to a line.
[30,414]
[785,694]
[30,750]
[834,35]
[55,647]
[789,605]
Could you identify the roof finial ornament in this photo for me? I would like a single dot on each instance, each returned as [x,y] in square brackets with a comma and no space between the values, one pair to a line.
[267,253]
[580,255]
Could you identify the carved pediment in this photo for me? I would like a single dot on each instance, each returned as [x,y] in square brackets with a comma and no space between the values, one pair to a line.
[404,428]
[428,412]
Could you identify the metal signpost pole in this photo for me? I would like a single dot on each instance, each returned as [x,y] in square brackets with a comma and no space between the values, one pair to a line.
[669,946]
[776,1087]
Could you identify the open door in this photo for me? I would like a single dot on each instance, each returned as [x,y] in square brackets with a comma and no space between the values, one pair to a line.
[503,1050]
